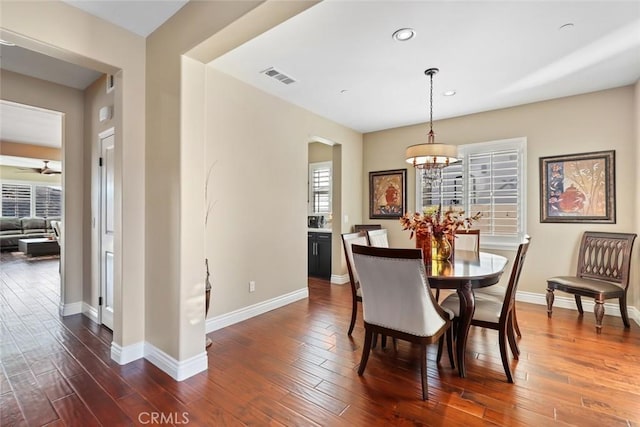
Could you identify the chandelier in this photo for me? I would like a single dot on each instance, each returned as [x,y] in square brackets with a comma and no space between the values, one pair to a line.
[432,157]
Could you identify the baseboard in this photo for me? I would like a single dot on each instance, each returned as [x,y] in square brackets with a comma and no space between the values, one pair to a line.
[127,354]
[339,279]
[228,319]
[90,312]
[71,308]
[560,301]
[178,370]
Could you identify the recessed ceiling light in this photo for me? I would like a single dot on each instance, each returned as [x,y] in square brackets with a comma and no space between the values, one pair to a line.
[6,43]
[449,93]
[566,26]
[404,34]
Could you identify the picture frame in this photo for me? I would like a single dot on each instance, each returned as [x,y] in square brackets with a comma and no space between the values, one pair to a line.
[578,188]
[387,194]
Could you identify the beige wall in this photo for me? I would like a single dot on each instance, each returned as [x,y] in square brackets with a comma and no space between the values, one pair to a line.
[319,152]
[95,97]
[634,297]
[258,225]
[597,121]
[27,90]
[204,30]
[31,151]
[65,32]
[170,255]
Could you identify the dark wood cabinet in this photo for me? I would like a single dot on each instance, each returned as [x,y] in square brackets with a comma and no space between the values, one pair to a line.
[319,254]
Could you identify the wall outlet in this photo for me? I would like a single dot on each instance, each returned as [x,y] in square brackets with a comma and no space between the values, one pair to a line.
[252,286]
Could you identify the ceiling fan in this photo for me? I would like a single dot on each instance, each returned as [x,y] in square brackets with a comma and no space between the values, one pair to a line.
[44,170]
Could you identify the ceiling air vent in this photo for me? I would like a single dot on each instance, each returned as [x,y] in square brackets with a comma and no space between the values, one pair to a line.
[283,78]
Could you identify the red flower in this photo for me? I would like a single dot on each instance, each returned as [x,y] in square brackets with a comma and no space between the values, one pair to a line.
[436,223]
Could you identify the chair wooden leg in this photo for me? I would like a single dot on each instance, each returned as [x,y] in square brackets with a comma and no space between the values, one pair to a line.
[366,349]
[450,348]
[437,294]
[550,298]
[512,338]
[598,310]
[503,350]
[515,322]
[623,310]
[374,340]
[354,311]
[579,304]
[423,372]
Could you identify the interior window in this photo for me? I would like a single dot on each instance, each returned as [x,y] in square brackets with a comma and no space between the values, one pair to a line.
[489,179]
[320,188]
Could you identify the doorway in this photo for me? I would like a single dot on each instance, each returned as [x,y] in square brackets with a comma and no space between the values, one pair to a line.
[107,222]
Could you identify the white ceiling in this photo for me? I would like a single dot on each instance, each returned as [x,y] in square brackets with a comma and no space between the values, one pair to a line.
[347,67]
[141,17]
[30,125]
[494,55]
[26,162]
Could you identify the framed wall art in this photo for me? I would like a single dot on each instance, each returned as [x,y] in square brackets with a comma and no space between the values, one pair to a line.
[578,188]
[387,194]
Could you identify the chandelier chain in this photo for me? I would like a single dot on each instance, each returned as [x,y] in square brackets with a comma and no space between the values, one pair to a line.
[431,103]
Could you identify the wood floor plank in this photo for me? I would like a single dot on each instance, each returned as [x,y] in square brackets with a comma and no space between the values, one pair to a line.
[296,366]
[54,385]
[74,413]
[36,407]
[103,407]
[10,415]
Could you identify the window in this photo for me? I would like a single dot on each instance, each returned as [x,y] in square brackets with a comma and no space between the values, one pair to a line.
[25,200]
[320,188]
[48,201]
[16,200]
[489,179]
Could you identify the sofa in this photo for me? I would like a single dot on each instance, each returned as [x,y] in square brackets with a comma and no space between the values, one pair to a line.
[13,229]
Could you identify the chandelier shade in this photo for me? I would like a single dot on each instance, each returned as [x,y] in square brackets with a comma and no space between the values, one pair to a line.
[431,155]
[423,156]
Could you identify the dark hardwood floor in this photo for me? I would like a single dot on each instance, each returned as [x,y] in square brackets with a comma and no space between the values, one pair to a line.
[296,366]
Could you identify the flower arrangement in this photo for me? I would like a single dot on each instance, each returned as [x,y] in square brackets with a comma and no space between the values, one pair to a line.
[436,223]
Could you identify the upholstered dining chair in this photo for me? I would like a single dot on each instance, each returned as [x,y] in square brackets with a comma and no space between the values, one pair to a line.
[499,291]
[493,313]
[466,240]
[397,301]
[364,227]
[604,261]
[349,239]
[378,238]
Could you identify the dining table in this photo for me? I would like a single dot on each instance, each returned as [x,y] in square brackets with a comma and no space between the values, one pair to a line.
[464,272]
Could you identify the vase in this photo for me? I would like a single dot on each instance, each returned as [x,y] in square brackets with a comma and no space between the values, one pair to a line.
[423,241]
[440,248]
[207,297]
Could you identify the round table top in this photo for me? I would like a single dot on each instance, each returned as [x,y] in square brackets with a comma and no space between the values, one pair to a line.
[481,269]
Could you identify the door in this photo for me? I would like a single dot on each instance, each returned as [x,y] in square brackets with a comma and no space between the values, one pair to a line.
[107,140]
